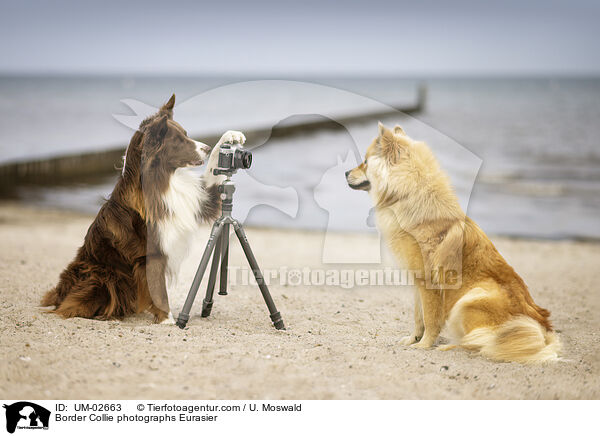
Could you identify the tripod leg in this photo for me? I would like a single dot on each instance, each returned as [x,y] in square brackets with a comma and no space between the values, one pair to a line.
[275,315]
[224,259]
[184,315]
[212,278]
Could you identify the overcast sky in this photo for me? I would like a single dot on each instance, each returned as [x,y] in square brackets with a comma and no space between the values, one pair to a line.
[302,37]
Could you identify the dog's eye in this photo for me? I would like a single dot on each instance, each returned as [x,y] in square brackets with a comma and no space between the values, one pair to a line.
[366,161]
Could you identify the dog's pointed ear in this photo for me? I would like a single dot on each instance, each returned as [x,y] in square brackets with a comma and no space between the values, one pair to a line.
[160,127]
[399,130]
[167,108]
[389,147]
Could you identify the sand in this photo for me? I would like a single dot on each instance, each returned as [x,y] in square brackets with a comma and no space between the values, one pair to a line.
[340,343]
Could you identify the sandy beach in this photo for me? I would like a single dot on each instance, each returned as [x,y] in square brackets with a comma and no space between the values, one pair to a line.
[339,344]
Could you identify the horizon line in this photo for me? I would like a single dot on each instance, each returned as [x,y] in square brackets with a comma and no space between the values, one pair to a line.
[296,75]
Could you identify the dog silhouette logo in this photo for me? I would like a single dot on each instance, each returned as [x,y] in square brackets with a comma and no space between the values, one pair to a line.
[344,207]
[26,415]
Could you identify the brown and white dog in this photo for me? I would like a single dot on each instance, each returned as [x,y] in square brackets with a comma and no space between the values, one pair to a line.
[487,306]
[136,242]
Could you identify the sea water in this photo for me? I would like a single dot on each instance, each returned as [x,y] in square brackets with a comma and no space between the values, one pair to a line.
[536,138]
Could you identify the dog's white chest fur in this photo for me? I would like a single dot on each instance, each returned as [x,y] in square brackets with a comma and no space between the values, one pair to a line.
[182,202]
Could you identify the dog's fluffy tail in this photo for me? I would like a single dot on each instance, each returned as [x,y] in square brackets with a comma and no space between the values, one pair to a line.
[520,339]
[50,298]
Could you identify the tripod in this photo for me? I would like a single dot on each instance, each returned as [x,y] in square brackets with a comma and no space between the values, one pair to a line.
[219,243]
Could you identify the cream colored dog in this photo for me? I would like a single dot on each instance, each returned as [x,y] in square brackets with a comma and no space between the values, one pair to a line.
[465,281]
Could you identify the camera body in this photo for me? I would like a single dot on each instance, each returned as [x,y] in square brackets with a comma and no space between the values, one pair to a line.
[231,158]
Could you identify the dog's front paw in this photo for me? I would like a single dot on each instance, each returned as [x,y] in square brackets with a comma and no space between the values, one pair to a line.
[213,162]
[408,340]
[422,345]
[169,320]
[232,137]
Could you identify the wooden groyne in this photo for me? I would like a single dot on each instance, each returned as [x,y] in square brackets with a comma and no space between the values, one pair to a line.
[75,167]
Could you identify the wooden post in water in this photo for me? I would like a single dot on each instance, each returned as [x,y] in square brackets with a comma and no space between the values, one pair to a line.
[82,166]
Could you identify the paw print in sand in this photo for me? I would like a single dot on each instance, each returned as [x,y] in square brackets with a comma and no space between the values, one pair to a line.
[294,277]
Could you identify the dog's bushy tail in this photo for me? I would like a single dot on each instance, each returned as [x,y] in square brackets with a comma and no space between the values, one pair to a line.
[520,339]
[50,298]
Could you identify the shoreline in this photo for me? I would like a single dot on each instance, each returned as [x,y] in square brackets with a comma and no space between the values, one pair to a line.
[340,343]
[25,205]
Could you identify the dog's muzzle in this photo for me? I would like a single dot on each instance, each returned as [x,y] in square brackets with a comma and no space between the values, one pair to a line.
[203,150]
[365,185]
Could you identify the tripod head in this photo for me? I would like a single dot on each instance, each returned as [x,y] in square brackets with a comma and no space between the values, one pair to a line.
[226,190]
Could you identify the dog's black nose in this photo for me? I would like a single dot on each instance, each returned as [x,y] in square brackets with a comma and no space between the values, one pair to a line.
[347,172]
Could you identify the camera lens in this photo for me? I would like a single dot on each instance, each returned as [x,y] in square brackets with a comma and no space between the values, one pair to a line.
[242,159]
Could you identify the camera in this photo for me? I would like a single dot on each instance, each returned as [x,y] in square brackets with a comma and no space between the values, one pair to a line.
[231,158]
